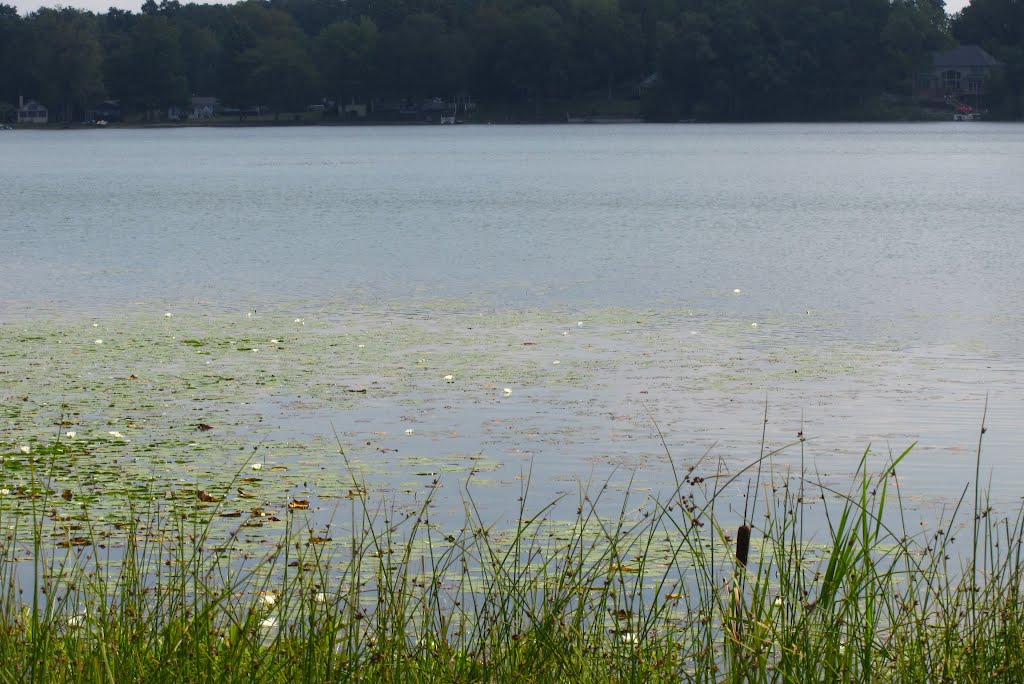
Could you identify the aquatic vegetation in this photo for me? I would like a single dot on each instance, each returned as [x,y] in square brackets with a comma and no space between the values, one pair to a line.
[175,506]
[642,587]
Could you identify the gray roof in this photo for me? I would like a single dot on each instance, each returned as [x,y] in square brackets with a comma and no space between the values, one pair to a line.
[964,56]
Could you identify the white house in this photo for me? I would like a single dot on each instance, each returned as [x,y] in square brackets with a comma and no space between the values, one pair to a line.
[198,108]
[32,112]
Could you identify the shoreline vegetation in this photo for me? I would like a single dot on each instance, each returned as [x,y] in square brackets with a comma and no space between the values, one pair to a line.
[656,589]
[777,60]
[155,527]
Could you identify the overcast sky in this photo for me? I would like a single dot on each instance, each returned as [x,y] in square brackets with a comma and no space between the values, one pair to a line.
[25,6]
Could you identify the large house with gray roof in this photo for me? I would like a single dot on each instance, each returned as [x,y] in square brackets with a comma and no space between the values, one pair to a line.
[959,74]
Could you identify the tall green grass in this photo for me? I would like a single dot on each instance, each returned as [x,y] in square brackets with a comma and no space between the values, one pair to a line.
[837,587]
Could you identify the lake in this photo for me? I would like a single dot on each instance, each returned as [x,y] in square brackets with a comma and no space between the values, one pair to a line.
[863,281]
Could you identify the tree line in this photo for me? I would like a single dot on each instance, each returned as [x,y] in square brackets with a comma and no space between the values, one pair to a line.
[705,59]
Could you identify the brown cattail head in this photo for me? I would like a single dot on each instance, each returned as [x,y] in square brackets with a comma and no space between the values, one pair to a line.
[742,544]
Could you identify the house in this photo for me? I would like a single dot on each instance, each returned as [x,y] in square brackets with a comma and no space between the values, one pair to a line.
[198,108]
[203,107]
[353,110]
[959,74]
[32,112]
[647,84]
[108,110]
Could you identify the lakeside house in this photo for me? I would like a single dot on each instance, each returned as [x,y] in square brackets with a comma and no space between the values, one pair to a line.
[108,110]
[32,112]
[199,107]
[959,74]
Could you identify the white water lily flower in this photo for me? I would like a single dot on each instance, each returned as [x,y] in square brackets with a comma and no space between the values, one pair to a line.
[269,599]
[257,466]
[116,434]
[555,363]
[321,598]
[778,603]
[99,341]
[410,431]
[167,315]
[5,492]
[249,314]
[362,346]
[737,290]
[507,391]
[71,434]
[300,321]
[629,638]
[255,349]
[269,622]
[693,332]
[77,620]
[753,325]
[565,333]
[95,325]
[274,342]
[449,378]
[26,449]
[579,323]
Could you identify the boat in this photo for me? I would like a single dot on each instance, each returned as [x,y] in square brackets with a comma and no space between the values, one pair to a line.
[964,112]
[451,118]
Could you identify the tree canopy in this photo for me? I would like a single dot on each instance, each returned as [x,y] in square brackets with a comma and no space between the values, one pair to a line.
[706,59]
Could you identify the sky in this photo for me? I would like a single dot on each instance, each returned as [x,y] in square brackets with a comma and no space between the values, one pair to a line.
[26,6]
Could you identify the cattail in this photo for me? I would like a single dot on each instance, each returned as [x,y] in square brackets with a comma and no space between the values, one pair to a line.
[742,544]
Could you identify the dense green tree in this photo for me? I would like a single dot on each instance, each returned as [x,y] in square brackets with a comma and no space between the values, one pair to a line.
[14,79]
[997,23]
[386,14]
[66,59]
[344,54]
[533,61]
[281,75]
[707,59]
[421,58]
[200,54]
[607,49]
[913,31]
[147,72]
[246,28]
[488,30]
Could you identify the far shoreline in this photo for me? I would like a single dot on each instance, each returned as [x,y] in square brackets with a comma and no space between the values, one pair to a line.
[595,121]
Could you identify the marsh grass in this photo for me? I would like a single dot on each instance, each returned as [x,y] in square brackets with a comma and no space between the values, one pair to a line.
[837,586]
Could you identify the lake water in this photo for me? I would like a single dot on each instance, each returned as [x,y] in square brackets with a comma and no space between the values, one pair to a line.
[880,264]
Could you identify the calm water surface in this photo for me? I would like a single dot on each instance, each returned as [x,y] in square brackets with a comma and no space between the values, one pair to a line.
[903,239]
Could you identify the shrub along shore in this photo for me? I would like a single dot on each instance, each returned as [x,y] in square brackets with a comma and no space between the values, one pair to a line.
[650,589]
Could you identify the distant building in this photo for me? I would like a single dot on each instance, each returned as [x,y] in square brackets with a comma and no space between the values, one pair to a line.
[203,107]
[354,110]
[108,110]
[32,112]
[959,74]
[198,108]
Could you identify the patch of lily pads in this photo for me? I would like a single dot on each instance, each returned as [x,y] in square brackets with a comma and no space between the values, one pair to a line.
[255,426]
